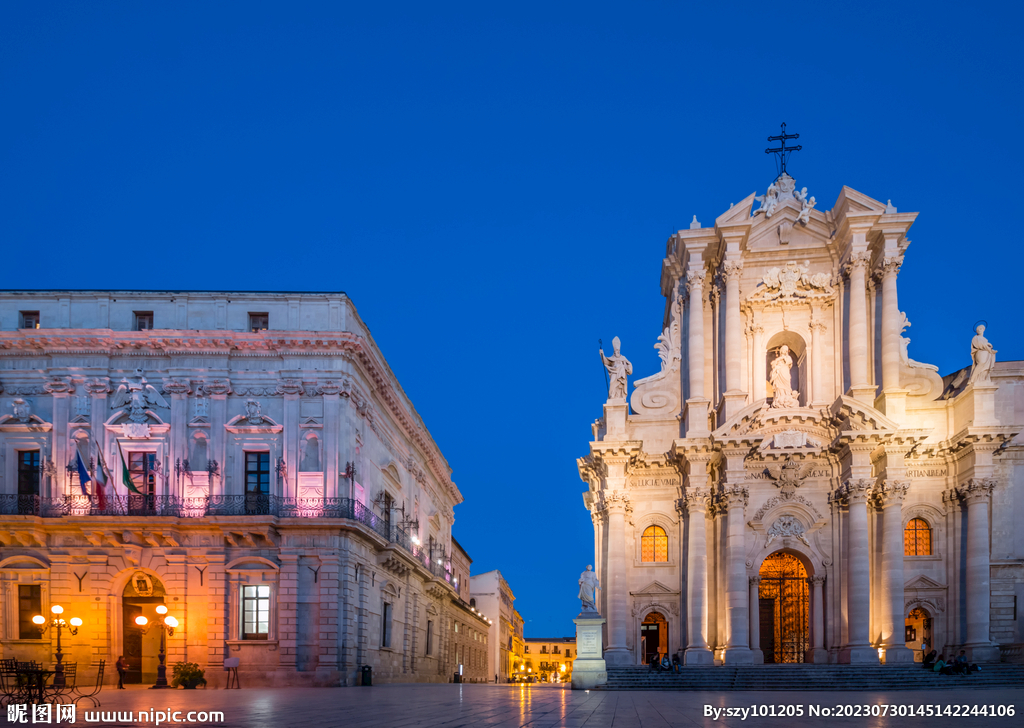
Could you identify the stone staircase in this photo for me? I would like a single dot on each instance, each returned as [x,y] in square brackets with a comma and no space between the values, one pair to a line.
[810,677]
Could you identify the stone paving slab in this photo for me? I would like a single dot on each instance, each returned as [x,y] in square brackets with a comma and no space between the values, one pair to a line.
[541,706]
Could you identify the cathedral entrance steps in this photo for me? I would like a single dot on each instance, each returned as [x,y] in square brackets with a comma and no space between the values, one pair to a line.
[809,677]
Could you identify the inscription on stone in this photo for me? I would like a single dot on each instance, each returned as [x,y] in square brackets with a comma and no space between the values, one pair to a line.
[927,473]
[654,482]
[588,642]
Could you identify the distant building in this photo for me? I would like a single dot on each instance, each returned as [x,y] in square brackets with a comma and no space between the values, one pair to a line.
[550,659]
[491,594]
[518,645]
[290,507]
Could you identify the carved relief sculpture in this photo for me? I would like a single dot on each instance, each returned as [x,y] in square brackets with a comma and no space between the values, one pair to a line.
[253,412]
[22,410]
[137,394]
[786,527]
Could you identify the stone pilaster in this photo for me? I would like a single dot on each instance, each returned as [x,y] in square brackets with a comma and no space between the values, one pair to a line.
[735,393]
[817,654]
[755,620]
[697,404]
[287,611]
[696,497]
[977,496]
[329,629]
[758,363]
[817,393]
[617,652]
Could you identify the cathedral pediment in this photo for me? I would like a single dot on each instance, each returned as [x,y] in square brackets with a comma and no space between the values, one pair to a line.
[654,589]
[923,582]
[738,213]
[852,414]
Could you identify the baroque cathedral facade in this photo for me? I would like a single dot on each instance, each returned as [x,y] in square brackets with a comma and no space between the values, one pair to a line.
[791,486]
[247,460]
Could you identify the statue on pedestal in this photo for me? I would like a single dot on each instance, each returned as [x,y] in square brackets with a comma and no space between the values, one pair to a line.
[983,356]
[784,396]
[618,368]
[588,589]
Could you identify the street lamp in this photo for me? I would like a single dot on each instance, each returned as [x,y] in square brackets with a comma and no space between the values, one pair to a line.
[58,622]
[166,625]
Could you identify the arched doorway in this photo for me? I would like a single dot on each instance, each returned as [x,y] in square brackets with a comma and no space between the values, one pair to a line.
[784,605]
[141,596]
[653,637]
[918,628]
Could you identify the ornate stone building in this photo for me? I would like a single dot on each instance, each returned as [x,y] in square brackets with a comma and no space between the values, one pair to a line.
[291,508]
[791,486]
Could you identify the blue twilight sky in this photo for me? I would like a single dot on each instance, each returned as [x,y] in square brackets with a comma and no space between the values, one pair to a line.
[493,185]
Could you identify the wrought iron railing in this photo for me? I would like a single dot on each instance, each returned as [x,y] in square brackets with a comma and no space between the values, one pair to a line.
[250,504]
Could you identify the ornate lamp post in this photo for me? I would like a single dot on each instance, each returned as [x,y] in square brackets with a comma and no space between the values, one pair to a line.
[58,622]
[166,625]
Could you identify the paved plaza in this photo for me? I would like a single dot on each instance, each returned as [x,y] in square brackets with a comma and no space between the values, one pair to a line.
[542,706]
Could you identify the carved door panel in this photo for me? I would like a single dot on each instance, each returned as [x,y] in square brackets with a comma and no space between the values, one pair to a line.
[132,649]
[767,626]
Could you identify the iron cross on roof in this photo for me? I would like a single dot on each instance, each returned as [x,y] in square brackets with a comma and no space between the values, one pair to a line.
[782,150]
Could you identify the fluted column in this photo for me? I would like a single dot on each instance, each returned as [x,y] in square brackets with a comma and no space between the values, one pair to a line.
[758,363]
[697,651]
[617,652]
[754,612]
[731,271]
[817,356]
[858,649]
[817,653]
[858,331]
[737,650]
[976,494]
[891,621]
[891,321]
[178,390]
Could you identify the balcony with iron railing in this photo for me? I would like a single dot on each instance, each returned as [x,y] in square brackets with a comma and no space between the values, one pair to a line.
[251,505]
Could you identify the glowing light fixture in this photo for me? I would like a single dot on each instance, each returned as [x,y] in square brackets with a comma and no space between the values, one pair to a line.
[76,622]
[161,609]
[141,621]
[57,609]
[38,619]
[170,621]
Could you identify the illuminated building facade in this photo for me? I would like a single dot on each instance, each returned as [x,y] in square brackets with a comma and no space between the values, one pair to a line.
[290,507]
[791,486]
[550,659]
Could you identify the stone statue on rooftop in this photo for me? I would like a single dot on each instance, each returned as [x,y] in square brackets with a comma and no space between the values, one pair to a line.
[983,356]
[618,368]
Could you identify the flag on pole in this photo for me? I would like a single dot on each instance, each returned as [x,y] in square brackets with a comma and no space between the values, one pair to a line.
[102,478]
[83,472]
[125,475]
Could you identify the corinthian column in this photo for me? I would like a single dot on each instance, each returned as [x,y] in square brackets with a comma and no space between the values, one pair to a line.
[858,649]
[817,653]
[891,615]
[817,356]
[890,324]
[696,408]
[731,270]
[976,494]
[757,360]
[858,344]
[697,651]
[737,650]
[617,652]
[755,620]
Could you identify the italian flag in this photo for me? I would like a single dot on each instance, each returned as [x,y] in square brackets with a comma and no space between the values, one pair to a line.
[102,478]
[125,475]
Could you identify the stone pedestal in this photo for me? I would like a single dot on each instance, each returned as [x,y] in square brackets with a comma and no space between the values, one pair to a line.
[589,669]
[697,418]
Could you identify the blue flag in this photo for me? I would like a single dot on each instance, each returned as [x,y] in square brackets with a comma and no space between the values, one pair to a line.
[83,473]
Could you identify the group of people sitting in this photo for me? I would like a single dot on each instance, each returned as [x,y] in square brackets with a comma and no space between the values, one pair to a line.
[959,665]
[663,664]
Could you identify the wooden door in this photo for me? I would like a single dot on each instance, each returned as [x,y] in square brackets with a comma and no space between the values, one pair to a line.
[767,627]
[132,649]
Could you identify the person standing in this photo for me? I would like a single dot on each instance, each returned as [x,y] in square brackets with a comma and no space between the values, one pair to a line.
[122,668]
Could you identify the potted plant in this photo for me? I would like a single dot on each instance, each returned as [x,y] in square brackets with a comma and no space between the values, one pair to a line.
[188,675]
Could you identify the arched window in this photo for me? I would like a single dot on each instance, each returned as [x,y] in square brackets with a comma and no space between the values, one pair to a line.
[917,538]
[654,544]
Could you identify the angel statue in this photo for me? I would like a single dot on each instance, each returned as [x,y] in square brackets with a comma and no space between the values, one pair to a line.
[806,205]
[784,396]
[983,356]
[618,368]
[769,200]
[588,589]
[137,395]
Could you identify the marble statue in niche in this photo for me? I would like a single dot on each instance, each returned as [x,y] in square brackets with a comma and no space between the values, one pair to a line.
[784,395]
[618,368]
[983,357]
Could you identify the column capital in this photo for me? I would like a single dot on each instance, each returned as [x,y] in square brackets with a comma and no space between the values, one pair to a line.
[755,329]
[857,261]
[735,495]
[755,581]
[176,387]
[819,326]
[977,490]
[59,386]
[731,270]
[891,492]
[695,500]
[890,266]
[617,502]
[816,580]
[290,387]
[856,491]
[695,281]
[98,386]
